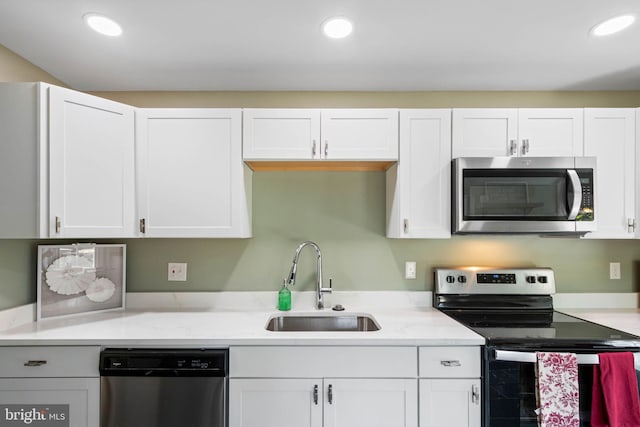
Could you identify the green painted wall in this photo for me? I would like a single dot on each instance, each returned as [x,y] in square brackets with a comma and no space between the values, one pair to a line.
[344,212]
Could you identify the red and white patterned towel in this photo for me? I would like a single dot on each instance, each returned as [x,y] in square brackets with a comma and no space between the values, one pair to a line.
[557,390]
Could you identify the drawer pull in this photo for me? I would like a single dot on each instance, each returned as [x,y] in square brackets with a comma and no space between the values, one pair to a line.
[31,363]
[315,394]
[451,363]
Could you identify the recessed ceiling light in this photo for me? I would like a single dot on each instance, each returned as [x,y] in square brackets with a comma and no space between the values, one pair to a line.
[337,28]
[613,25]
[102,24]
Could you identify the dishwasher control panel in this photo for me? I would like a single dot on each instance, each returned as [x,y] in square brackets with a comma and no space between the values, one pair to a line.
[164,362]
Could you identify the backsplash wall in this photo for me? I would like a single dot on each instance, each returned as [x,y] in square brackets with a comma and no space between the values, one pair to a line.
[344,212]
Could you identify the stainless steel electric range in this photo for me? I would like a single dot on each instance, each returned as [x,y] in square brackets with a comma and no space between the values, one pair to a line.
[513,310]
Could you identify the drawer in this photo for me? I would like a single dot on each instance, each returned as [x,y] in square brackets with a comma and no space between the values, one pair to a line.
[449,362]
[317,362]
[44,361]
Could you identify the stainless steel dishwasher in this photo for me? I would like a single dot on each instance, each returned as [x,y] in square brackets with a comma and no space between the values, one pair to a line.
[163,388]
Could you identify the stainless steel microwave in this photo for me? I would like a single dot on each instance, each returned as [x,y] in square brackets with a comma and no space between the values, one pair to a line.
[534,195]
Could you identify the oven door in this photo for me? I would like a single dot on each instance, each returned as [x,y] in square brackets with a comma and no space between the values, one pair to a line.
[536,195]
[510,385]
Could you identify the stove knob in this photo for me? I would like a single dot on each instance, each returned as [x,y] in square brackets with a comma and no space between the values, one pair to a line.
[542,279]
[531,279]
[450,279]
[462,279]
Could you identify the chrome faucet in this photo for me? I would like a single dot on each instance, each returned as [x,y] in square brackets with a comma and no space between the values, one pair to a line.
[319,289]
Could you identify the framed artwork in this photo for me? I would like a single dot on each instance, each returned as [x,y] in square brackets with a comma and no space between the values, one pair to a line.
[80,278]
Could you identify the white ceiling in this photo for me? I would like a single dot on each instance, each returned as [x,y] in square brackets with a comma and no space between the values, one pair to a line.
[277,44]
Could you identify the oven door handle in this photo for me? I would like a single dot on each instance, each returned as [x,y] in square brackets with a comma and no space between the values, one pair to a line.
[530,357]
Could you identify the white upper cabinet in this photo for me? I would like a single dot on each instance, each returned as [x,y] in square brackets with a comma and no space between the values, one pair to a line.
[419,186]
[191,180]
[484,132]
[489,132]
[278,134]
[71,155]
[91,176]
[610,135]
[361,134]
[552,132]
[332,134]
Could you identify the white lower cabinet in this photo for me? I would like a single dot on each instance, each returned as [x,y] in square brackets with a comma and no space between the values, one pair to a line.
[450,386]
[323,387]
[277,402]
[369,402]
[340,402]
[72,400]
[50,384]
[450,402]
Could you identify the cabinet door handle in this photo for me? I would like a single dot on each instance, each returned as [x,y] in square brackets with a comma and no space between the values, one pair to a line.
[58,224]
[525,146]
[631,225]
[143,225]
[330,394]
[313,149]
[31,363]
[451,363]
[315,394]
[326,149]
[475,394]
[513,147]
[405,225]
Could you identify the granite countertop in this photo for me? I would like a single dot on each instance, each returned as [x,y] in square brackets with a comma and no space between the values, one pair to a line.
[406,319]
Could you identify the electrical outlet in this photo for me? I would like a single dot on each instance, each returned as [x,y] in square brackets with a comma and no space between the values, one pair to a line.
[410,270]
[177,272]
[614,271]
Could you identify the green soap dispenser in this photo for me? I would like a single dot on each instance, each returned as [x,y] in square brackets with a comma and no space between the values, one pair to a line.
[284,297]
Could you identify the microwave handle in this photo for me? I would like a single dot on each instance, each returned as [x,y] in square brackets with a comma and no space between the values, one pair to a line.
[574,198]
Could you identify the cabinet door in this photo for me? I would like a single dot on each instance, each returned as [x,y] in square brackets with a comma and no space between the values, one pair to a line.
[359,134]
[281,134]
[610,136]
[370,403]
[450,402]
[419,187]
[275,402]
[191,179]
[550,132]
[91,175]
[484,132]
[72,401]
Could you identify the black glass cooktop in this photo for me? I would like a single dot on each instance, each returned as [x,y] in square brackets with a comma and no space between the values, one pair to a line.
[548,327]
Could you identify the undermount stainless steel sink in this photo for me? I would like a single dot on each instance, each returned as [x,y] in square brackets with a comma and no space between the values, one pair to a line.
[320,323]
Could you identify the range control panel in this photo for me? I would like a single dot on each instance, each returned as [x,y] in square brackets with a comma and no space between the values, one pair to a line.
[482,280]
